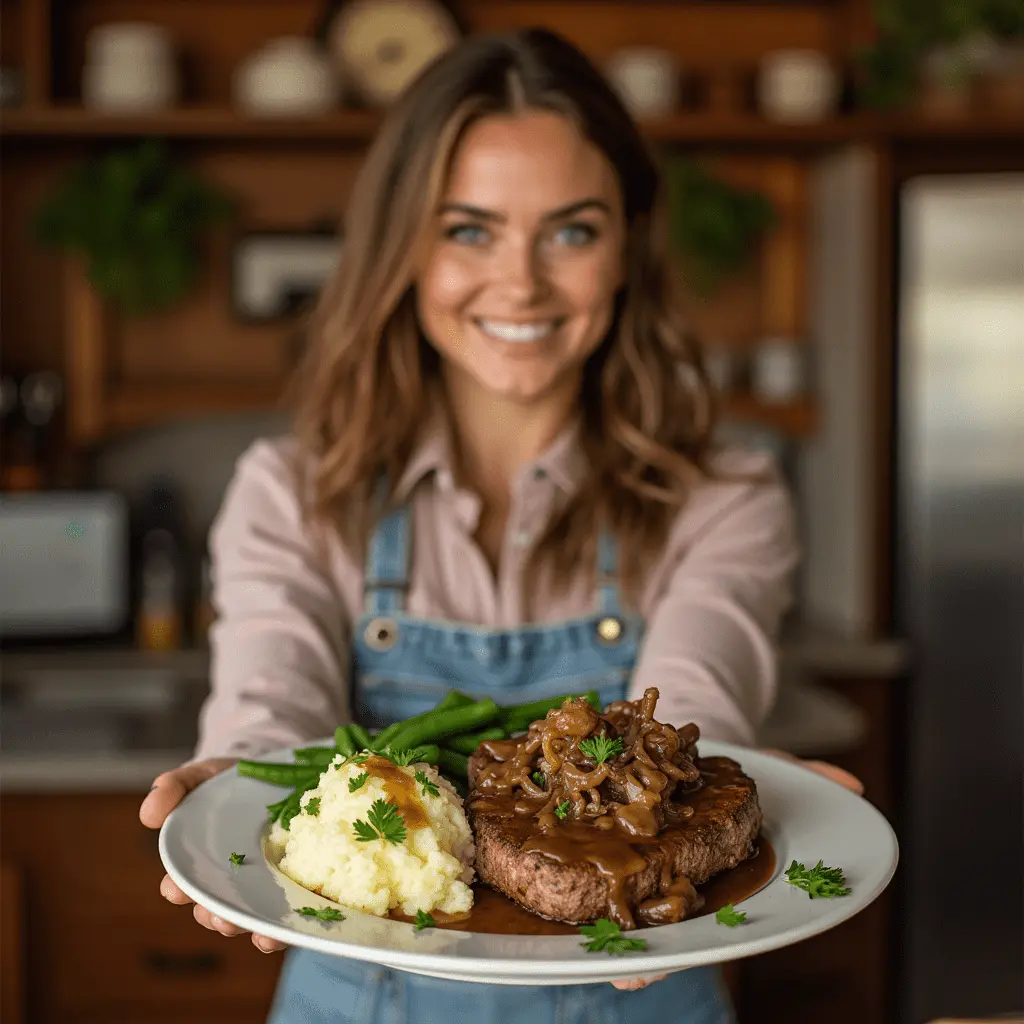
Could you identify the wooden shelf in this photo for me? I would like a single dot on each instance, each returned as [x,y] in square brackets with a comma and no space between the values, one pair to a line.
[797,419]
[359,127]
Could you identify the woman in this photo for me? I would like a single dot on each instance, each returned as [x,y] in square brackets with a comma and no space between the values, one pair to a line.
[501,424]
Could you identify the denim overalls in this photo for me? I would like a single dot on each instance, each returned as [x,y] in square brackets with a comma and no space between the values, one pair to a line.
[403,666]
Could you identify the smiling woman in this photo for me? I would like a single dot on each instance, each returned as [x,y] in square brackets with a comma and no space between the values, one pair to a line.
[500,481]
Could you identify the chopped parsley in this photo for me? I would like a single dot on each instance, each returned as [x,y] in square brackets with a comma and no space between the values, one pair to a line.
[385,823]
[424,920]
[237,858]
[600,748]
[313,806]
[730,916]
[428,786]
[400,757]
[562,811]
[357,781]
[819,882]
[606,937]
[359,759]
[538,777]
[321,913]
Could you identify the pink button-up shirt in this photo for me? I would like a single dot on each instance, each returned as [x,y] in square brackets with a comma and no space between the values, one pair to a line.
[287,598]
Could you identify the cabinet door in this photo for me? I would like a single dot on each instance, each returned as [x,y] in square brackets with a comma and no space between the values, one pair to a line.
[11,945]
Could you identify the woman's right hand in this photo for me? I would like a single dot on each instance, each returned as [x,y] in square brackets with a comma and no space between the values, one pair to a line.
[168,791]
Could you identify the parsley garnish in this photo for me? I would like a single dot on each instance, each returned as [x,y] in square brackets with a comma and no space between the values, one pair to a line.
[600,748]
[357,781]
[320,913]
[353,759]
[538,777]
[562,811]
[730,916]
[313,806]
[424,920]
[819,882]
[385,823]
[605,937]
[400,757]
[237,858]
[428,786]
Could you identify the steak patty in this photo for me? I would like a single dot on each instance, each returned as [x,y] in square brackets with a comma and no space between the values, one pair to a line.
[719,835]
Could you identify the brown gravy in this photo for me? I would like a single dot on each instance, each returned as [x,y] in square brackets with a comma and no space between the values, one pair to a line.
[496,914]
[401,791]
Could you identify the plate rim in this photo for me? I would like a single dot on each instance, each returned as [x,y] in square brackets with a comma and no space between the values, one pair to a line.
[555,971]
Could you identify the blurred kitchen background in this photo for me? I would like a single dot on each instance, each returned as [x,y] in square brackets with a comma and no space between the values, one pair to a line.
[846,182]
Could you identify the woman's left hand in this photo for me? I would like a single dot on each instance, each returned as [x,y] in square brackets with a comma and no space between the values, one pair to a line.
[830,771]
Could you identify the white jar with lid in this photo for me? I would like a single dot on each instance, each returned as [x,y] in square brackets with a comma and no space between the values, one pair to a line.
[646,79]
[778,371]
[130,68]
[289,77]
[797,86]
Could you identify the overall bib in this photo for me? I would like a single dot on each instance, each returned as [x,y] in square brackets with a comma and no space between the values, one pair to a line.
[403,666]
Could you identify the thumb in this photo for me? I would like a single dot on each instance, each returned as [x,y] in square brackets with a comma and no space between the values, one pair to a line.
[170,788]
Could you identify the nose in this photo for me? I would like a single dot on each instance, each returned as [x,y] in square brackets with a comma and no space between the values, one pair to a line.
[522,273]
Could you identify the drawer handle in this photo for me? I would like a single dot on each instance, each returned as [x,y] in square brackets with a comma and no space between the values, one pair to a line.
[182,964]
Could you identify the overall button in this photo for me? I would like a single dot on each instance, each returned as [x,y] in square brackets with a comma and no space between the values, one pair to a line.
[609,630]
[381,634]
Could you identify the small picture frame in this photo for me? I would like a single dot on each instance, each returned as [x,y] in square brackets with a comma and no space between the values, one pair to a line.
[277,274]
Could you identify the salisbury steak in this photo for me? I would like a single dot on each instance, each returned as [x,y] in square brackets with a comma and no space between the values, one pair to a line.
[626,837]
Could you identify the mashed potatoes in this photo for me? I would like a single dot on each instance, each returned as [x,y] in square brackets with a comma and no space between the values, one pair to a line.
[430,869]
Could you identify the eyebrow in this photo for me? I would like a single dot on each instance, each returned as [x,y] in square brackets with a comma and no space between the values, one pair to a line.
[560,214]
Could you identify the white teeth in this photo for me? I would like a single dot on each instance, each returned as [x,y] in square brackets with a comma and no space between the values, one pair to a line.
[505,331]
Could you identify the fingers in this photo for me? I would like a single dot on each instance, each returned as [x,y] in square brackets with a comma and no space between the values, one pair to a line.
[266,945]
[170,787]
[635,984]
[172,893]
[215,923]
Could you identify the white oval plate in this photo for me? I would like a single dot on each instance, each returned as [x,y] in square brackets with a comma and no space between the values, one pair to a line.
[807,818]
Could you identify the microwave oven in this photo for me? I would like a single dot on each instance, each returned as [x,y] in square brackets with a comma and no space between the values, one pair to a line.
[64,564]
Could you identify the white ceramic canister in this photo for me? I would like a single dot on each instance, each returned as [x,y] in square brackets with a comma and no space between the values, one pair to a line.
[797,86]
[647,80]
[130,67]
[778,371]
[288,77]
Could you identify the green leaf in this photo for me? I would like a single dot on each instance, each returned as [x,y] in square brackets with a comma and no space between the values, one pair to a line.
[321,913]
[600,748]
[606,937]
[562,810]
[313,806]
[424,920]
[385,823]
[538,777]
[730,916]
[237,858]
[818,882]
[429,787]
[357,781]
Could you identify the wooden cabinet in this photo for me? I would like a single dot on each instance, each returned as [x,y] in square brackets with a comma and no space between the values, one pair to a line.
[12,990]
[97,942]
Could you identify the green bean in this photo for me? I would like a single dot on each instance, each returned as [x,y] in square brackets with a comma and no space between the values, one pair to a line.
[429,752]
[278,774]
[343,741]
[518,717]
[451,762]
[453,699]
[321,756]
[469,741]
[436,725]
[360,736]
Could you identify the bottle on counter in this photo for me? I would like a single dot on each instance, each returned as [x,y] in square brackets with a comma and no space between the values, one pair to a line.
[161,583]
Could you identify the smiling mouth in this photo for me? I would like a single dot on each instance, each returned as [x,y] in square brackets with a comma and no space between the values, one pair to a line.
[519,333]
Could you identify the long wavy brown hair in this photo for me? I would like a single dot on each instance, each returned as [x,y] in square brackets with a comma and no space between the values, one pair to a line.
[363,389]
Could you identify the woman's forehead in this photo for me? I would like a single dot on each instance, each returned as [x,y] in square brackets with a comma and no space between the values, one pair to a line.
[534,159]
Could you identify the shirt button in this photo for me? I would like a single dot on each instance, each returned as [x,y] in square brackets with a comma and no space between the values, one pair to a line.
[540,473]
[522,539]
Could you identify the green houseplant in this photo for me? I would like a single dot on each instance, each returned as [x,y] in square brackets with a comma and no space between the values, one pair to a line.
[136,218]
[713,226]
[945,39]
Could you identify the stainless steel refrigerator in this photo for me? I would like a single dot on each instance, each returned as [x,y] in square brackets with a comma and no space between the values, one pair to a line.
[960,592]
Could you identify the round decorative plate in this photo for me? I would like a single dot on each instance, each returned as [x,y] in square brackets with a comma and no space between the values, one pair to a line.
[806,817]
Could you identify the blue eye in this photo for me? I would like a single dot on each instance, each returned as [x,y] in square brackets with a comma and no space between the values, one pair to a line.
[467,234]
[576,234]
